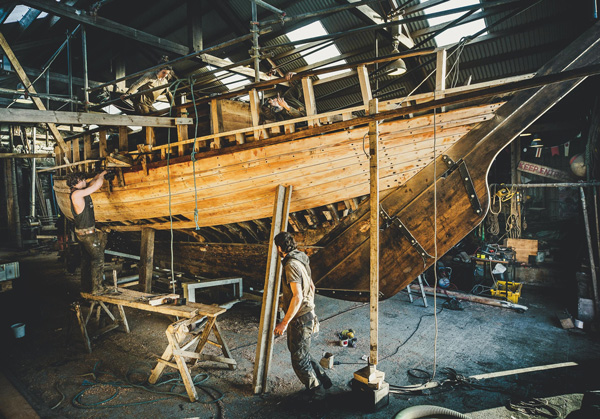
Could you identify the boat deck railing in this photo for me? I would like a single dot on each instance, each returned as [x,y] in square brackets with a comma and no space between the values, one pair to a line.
[86,155]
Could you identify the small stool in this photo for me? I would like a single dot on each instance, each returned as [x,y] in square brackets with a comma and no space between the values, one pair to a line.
[410,297]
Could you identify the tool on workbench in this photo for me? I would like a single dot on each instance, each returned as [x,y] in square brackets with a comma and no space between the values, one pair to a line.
[164,299]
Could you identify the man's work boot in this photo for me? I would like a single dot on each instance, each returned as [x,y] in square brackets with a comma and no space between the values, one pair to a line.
[323,378]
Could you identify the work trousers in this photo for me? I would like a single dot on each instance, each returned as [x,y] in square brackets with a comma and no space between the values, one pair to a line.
[92,261]
[298,339]
[144,105]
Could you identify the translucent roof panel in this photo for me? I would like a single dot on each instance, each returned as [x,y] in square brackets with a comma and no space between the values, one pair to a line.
[18,13]
[315,55]
[453,35]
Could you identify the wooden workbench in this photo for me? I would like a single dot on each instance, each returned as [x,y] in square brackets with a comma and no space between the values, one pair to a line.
[185,342]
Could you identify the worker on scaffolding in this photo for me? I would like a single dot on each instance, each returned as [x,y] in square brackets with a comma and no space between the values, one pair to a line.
[278,109]
[92,240]
[143,103]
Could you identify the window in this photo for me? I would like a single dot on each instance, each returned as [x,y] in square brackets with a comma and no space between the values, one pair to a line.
[19,12]
[453,35]
[310,31]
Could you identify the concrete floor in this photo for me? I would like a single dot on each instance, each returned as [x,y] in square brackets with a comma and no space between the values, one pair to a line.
[50,361]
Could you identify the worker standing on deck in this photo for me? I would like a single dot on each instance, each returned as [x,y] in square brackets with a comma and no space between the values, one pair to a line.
[144,102]
[299,319]
[93,240]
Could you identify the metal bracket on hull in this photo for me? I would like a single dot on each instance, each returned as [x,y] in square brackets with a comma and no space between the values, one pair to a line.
[388,221]
[468,182]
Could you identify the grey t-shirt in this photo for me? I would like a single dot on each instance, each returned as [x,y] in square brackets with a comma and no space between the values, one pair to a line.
[296,269]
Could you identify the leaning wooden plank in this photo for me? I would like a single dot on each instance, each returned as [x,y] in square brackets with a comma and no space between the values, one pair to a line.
[82,118]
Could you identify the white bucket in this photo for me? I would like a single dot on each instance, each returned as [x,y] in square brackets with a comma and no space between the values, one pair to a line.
[18,329]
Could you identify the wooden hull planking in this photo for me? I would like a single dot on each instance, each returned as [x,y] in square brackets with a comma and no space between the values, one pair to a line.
[237,186]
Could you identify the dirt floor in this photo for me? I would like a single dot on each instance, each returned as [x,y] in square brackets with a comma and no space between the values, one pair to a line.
[50,367]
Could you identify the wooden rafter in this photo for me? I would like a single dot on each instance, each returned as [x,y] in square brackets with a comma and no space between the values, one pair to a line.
[36,100]
[81,16]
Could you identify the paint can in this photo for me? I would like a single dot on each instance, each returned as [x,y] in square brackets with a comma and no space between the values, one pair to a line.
[18,329]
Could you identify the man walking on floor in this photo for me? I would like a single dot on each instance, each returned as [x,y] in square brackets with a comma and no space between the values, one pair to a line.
[93,240]
[298,304]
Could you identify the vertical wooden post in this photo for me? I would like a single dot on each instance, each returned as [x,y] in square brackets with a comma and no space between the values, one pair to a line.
[374,232]
[369,375]
[87,150]
[12,202]
[214,123]
[440,75]
[102,144]
[309,100]
[268,315]
[68,151]
[151,141]
[255,113]
[365,86]
[75,148]
[182,131]
[515,158]
[147,259]
[58,157]
[123,139]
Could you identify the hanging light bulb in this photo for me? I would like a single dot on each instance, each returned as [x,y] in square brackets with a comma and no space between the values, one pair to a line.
[397,67]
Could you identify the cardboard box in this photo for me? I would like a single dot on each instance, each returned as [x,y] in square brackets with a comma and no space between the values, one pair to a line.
[523,248]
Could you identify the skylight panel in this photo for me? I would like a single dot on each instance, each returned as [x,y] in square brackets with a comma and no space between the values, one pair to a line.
[312,30]
[233,81]
[453,35]
[18,13]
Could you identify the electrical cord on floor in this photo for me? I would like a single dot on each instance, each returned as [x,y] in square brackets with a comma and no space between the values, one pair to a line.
[452,380]
[534,407]
[411,335]
[118,384]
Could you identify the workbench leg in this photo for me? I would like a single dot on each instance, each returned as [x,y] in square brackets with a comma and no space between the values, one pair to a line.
[224,347]
[160,366]
[182,366]
[87,319]
[82,326]
[210,322]
[123,318]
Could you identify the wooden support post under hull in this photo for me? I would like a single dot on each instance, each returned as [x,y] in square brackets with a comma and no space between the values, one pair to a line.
[147,259]
[268,315]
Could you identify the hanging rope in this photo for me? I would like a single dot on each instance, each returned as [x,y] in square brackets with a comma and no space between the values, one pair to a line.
[492,218]
[193,155]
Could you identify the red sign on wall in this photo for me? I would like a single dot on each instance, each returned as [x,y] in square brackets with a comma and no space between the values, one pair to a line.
[538,169]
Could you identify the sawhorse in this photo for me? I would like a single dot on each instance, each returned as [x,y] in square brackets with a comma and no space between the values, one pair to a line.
[410,297]
[183,341]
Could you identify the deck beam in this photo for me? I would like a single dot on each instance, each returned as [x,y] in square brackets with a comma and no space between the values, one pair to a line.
[28,116]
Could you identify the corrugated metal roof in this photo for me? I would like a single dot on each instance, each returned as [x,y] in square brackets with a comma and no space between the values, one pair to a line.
[518,45]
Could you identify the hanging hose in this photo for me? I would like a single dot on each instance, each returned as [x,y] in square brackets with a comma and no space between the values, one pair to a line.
[425,411]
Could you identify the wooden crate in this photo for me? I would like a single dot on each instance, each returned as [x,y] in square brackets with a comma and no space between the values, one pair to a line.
[523,248]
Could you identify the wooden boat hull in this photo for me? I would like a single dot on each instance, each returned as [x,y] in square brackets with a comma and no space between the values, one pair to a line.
[233,185]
